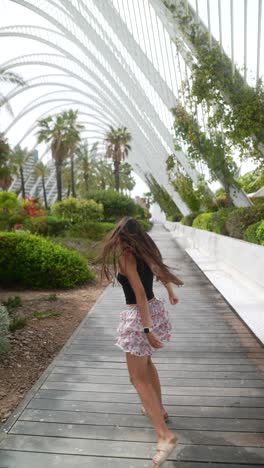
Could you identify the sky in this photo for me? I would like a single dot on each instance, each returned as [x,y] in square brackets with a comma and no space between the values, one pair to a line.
[12,13]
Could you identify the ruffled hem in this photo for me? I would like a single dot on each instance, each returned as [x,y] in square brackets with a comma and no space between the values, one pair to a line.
[131,338]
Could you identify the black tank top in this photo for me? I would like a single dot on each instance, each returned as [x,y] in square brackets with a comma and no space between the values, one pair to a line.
[146,277]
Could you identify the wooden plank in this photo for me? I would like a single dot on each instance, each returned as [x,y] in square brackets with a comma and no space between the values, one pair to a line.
[166,381]
[134,434]
[161,366]
[137,450]
[19,459]
[195,390]
[200,400]
[130,408]
[221,374]
[176,422]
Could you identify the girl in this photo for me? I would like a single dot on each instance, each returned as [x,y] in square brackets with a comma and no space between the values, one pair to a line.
[144,323]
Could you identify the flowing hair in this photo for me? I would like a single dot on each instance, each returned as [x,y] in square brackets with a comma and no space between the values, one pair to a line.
[129,233]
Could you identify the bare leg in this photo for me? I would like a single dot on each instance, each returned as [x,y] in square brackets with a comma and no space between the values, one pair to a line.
[154,378]
[139,375]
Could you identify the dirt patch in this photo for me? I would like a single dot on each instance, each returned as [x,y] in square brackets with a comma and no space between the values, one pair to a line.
[35,346]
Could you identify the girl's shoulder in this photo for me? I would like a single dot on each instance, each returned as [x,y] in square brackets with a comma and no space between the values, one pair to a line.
[126,258]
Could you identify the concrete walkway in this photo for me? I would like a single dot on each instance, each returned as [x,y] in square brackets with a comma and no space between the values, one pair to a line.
[84,413]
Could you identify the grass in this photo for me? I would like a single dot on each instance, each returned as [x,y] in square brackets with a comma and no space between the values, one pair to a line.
[41,315]
[12,302]
[52,297]
[17,323]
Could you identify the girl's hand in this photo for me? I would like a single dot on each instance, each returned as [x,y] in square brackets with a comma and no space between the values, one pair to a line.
[154,341]
[173,298]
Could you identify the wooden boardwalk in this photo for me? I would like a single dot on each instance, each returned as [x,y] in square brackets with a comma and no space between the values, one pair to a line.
[84,413]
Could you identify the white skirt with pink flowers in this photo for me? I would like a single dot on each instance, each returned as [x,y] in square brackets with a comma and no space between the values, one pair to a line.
[131,337]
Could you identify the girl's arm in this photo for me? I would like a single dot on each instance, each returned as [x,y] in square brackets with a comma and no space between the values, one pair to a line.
[129,266]
[168,285]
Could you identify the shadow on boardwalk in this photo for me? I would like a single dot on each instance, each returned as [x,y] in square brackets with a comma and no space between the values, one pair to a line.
[84,413]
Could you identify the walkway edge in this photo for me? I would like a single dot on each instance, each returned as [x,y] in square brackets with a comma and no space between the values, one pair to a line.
[31,393]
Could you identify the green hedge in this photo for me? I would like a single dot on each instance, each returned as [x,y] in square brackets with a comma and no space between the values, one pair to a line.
[31,261]
[93,231]
[240,218]
[147,225]
[218,220]
[260,232]
[250,233]
[258,201]
[255,233]
[203,221]
[188,219]
[115,204]
[46,225]
[76,210]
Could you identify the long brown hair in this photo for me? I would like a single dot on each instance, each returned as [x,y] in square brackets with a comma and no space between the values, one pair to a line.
[129,233]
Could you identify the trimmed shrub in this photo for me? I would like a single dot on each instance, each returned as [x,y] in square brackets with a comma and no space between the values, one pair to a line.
[93,231]
[46,225]
[115,204]
[78,211]
[9,208]
[203,221]
[4,330]
[147,225]
[31,261]
[188,219]
[260,232]
[175,218]
[258,201]
[250,233]
[218,221]
[240,218]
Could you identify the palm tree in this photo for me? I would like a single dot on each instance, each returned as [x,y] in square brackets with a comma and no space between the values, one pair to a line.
[5,170]
[85,158]
[19,158]
[117,148]
[62,131]
[9,77]
[72,139]
[66,178]
[43,171]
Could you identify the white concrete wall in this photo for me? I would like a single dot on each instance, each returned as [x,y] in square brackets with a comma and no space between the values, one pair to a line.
[234,266]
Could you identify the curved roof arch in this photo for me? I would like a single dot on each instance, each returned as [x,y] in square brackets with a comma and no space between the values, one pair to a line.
[125,52]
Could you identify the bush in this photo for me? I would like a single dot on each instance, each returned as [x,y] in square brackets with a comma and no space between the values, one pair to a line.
[4,330]
[174,218]
[260,232]
[46,225]
[30,261]
[115,204]
[78,211]
[188,219]
[85,247]
[240,218]
[9,207]
[17,323]
[93,231]
[12,302]
[203,221]
[145,224]
[257,201]
[250,233]
[218,221]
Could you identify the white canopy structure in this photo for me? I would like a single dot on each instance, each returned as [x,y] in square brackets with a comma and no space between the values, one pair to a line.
[120,62]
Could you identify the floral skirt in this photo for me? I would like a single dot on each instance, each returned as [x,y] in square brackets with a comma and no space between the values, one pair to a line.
[130,335]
